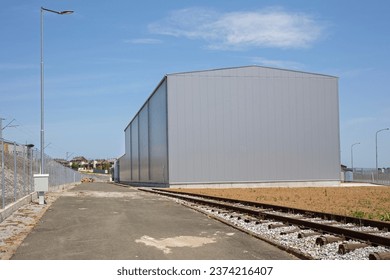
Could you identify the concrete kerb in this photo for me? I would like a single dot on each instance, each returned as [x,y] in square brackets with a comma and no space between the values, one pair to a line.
[9,209]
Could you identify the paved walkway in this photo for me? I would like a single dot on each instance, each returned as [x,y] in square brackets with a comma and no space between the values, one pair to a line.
[104,221]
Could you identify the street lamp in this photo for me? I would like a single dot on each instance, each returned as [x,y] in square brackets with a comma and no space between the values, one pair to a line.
[352,154]
[42,83]
[376,147]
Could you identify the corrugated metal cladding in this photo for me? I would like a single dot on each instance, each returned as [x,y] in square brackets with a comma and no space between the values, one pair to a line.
[238,125]
[146,156]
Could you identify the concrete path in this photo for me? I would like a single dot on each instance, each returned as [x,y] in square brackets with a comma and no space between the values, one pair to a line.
[104,221]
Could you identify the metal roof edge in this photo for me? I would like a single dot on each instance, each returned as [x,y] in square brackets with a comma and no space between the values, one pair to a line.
[219,69]
[248,66]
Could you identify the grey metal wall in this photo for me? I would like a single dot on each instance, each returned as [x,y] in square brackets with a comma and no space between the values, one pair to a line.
[144,143]
[146,147]
[158,143]
[124,161]
[252,124]
[134,150]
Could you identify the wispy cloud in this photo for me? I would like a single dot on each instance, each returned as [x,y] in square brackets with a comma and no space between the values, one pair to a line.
[352,72]
[278,63]
[271,27]
[144,41]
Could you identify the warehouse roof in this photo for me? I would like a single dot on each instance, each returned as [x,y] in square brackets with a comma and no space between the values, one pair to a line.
[222,69]
[248,66]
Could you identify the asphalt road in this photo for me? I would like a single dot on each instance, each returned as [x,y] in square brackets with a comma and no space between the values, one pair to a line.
[103,221]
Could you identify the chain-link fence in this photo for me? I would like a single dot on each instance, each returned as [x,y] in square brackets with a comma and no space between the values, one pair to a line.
[18,165]
[371,175]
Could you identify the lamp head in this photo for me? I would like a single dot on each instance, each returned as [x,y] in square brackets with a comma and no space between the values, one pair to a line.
[66,12]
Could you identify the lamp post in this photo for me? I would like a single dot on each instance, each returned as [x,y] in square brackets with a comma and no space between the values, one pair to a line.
[41,181]
[376,148]
[42,84]
[352,154]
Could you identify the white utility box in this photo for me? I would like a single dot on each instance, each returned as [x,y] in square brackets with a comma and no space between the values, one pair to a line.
[41,182]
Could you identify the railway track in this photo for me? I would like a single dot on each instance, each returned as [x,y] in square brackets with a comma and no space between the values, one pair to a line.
[307,234]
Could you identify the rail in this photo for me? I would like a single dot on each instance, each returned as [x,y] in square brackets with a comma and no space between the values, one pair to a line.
[325,227]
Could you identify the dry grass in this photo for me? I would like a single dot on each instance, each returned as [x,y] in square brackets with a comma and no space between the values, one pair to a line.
[362,202]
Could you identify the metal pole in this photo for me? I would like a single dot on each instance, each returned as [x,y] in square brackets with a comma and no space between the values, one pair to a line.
[29,165]
[33,168]
[44,186]
[2,165]
[2,175]
[42,84]
[352,154]
[15,172]
[42,95]
[376,148]
[24,169]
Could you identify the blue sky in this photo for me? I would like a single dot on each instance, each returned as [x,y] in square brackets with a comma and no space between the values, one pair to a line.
[103,61]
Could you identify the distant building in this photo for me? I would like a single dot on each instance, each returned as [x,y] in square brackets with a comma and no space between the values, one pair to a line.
[63,162]
[95,166]
[241,126]
[12,147]
[82,164]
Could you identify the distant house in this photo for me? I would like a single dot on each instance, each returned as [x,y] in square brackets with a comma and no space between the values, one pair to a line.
[82,164]
[96,166]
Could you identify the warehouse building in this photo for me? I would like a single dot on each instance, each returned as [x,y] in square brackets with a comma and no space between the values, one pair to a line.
[239,127]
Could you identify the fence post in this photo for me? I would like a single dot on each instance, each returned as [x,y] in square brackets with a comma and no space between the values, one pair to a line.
[24,169]
[2,175]
[34,169]
[15,173]
[28,171]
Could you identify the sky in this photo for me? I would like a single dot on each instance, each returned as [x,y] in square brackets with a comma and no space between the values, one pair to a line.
[104,60]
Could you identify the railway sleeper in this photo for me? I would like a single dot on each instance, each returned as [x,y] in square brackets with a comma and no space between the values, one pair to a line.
[257,222]
[290,231]
[249,219]
[346,247]
[379,256]
[273,226]
[236,216]
[246,219]
[326,239]
[307,234]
